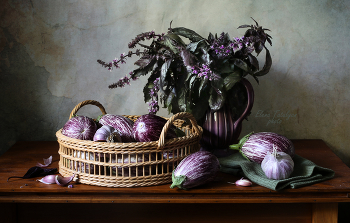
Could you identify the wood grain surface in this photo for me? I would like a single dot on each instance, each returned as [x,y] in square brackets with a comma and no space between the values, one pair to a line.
[24,155]
[314,203]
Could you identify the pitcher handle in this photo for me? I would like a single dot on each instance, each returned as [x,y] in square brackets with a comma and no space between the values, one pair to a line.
[250,95]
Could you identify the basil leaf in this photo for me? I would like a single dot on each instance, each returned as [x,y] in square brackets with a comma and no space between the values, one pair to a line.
[267,65]
[188,33]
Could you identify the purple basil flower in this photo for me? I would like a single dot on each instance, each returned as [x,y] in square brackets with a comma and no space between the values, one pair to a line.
[153,106]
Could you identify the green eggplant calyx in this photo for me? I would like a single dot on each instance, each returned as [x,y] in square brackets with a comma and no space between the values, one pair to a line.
[178,181]
[240,144]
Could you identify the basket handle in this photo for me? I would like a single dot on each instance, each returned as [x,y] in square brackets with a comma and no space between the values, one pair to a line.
[87,102]
[183,115]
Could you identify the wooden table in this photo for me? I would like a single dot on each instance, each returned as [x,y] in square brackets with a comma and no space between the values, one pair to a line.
[27,200]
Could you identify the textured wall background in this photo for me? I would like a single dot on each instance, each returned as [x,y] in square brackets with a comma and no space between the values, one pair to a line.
[48,53]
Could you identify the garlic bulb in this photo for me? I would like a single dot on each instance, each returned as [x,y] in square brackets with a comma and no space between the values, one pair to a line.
[277,165]
[106,134]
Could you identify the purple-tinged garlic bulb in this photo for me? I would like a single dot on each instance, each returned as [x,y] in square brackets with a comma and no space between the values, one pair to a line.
[106,134]
[277,165]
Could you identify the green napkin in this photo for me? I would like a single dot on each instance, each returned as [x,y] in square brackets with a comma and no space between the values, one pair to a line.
[305,172]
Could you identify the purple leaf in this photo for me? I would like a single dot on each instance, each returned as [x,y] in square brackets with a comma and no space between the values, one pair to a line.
[267,65]
[36,171]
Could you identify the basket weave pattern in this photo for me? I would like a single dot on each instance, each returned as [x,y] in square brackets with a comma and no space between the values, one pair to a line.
[127,164]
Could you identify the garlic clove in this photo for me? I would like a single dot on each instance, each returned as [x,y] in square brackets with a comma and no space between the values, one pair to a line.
[49,179]
[243,182]
[63,181]
[47,162]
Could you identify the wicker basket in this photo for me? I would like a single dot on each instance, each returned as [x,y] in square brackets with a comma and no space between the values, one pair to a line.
[127,164]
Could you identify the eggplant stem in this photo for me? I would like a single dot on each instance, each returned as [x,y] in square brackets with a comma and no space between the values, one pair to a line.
[178,181]
[240,144]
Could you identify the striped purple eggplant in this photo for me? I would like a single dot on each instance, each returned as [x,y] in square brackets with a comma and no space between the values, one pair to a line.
[80,127]
[196,169]
[149,127]
[122,125]
[255,146]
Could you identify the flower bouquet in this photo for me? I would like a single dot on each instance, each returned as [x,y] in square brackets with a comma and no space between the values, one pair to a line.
[198,76]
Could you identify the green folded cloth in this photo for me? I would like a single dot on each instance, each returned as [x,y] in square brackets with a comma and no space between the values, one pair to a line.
[305,172]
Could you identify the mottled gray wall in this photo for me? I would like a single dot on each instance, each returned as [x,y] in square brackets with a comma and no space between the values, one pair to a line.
[48,53]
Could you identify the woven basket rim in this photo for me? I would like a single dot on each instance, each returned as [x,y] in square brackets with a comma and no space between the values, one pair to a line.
[125,145]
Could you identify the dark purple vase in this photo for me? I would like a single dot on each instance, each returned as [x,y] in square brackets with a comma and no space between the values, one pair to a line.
[221,128]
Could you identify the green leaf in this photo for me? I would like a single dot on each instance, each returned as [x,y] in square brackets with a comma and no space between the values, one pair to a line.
[202,86]
[190,76]
[176,38]
[256,78]
[187,58]
[140,72]
[193,45]
[142,62]
[253,61]
[218,85]
[144,70]
[243,65]
[227,38]
[227,67]
[244,26]
[199,104]
[205,57]
[187,33]
[217,94]
[149,85]
[259,46]
[168,99]
[192,79]
[182,101]
[164,71]
[173,42]
[238,99]
[191,85]
[179,132]
[182,91]
[211,37]
[146,90]
[232,79]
